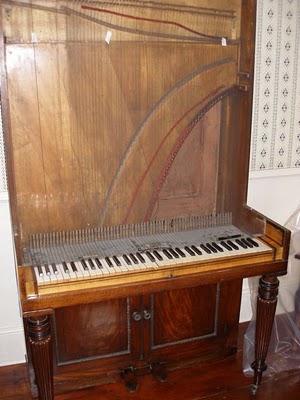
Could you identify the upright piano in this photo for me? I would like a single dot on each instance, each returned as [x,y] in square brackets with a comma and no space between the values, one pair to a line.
[127,128]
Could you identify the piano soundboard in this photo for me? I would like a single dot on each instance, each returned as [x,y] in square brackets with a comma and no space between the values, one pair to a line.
[110,259]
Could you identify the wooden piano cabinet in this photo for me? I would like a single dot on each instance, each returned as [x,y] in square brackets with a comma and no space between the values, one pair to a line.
[97,342]
[89,344]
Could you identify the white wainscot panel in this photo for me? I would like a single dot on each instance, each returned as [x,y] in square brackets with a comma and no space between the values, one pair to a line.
[12,346]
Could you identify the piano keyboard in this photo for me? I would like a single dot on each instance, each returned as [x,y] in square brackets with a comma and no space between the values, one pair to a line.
[161,254]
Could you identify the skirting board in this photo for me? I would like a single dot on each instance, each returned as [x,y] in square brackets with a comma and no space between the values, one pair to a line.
[12,347]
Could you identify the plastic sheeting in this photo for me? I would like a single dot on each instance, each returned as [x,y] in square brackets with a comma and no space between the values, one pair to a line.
[284,348]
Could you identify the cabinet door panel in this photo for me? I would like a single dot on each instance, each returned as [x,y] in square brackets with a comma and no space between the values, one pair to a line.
[92,331]
[184,314]
[198,322]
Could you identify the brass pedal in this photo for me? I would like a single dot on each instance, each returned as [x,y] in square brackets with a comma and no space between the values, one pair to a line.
[130,379]
[159,370]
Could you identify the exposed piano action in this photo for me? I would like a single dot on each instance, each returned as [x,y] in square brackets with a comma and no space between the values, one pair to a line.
[57,267]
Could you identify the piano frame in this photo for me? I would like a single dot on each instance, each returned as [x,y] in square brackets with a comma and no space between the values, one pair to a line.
[139,315]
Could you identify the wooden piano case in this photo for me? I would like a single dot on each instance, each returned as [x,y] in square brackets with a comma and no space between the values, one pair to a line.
[123,117]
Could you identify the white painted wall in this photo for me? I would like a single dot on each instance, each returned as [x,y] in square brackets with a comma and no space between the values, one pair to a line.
[12,346]
[276,194]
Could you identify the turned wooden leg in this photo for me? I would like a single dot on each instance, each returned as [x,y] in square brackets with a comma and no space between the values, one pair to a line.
[40,341]
[266,307]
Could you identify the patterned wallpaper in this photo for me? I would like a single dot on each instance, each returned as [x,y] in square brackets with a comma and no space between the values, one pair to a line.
[276,113]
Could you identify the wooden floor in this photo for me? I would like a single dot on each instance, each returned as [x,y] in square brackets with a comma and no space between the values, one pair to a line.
[223,380]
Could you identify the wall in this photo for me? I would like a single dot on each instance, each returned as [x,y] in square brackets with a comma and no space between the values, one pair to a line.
[274,182]
[12,347]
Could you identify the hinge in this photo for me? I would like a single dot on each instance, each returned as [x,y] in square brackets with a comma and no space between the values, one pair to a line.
[243,88]
[244,75]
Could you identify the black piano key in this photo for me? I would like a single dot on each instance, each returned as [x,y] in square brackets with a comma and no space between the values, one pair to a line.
[65,267]
[109,262]
[253,242]
[54,267]
[140,257]
[180,252]
[239,242]
[196,250]
[216,246]
[98,263]
[73,266]
[134,259]
[40,271]
[233,245]
[173,252]
[127,259]
[117,261]
[248,244]
[168,254]
[91,264]
[150,256]
[206,249]
[84,265]
[190,251]
[226,245]
[157,255]
[210,247]
[47,270]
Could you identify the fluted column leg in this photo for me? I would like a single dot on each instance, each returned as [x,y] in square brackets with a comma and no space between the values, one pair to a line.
[266,307]
[40,341]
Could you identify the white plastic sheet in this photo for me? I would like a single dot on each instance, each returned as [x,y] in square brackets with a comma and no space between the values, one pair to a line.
[284,349]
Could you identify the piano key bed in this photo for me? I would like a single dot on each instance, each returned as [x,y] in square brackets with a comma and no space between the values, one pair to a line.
[109,258]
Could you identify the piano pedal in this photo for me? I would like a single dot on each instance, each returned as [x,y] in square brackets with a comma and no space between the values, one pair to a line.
[159,371]
[130,379]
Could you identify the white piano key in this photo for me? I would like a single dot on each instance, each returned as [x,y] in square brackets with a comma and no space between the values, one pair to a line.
[46,277]
[50,273]
[149,263]
[65,275]
[135,261]
[144,264]
[58,275]
[93,268]
[123,267]
[187,257]
[39,276]
[165,260]
[85,273]
[130,267]
[102,267]
[106,269]
[108,261]
[72,273]
[78,271]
